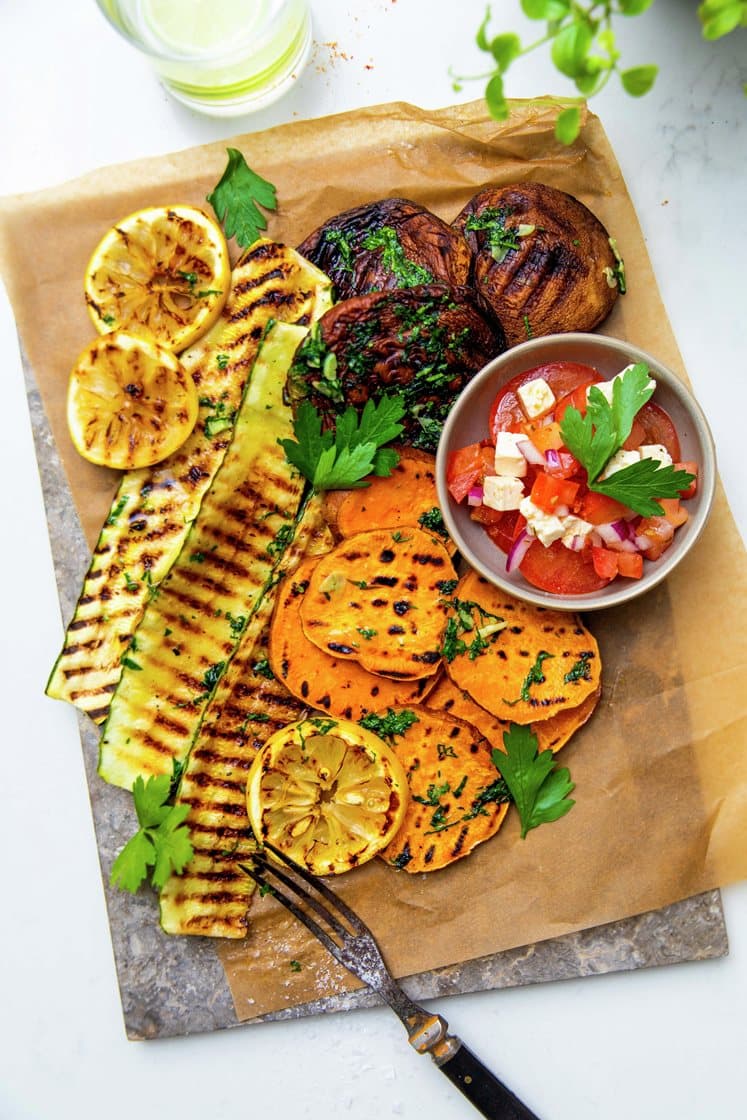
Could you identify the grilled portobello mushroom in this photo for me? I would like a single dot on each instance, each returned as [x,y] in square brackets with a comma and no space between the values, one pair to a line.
[541,258]
[424,342]
[391,243]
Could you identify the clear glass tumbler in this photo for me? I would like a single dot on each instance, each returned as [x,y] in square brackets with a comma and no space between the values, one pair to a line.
[222,57]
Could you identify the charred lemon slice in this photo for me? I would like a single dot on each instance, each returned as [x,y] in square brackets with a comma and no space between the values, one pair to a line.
[162,272]
[327,793]
[130,402]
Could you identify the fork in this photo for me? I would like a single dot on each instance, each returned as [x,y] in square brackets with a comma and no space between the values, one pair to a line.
[351,942]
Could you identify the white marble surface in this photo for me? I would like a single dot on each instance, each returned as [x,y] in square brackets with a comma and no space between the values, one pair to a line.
[659,1044]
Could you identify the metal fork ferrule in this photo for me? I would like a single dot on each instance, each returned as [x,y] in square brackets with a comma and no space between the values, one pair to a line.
[427,1033]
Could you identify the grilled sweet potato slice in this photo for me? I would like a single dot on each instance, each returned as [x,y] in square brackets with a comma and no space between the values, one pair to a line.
[541,662]
[541,258]
[402,498]
[552,733]
[424,342]
[389,243]
[331,684]
[457,797]
[376,599]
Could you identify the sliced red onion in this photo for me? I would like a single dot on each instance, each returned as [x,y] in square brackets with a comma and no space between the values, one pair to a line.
[623,529]
[608,533]
[531,454]
[518,550]
[474,498]
[576,543]
[553,459]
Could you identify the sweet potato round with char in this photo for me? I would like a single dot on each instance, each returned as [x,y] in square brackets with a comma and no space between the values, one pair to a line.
[457,797]
[541,258]
[541,662]
[340,687]
[424,342]
[389,243]
[376,599]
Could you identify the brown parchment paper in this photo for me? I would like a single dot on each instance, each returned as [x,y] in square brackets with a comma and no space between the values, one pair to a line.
[661,770]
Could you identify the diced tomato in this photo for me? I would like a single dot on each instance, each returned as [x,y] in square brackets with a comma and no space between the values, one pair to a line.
[467,467]
[548,493]
[544,436]
[658,428]
[673,511]
[692,468]
[636,438]
[605,562]
[505,531]
[567,466]
[659,532]
[576,399]
[630,564]
[507,414]
[559,570]
[599,509]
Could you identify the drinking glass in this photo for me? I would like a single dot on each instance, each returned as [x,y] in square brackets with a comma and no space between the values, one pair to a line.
[221,57]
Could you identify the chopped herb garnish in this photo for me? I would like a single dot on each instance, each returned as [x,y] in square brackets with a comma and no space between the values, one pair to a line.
[433,521]
[222,360]
[115,512]
[262,669]
[395,722]
[393,257]
[580,670]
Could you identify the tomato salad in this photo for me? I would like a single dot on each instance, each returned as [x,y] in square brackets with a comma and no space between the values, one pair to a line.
[580,480]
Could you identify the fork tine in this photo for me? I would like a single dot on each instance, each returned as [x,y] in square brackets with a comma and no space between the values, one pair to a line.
[312,926]
[314,903]
[312,880]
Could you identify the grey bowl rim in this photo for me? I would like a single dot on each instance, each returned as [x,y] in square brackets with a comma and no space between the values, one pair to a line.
[611,595]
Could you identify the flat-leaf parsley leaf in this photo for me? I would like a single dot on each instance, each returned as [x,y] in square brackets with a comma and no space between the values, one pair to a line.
[237,196]
[344,458]
[162,841]
[538,789]
[595,437]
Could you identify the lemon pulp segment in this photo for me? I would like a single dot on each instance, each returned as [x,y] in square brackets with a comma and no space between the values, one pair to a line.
[130,402]
[328,793]
[162,272]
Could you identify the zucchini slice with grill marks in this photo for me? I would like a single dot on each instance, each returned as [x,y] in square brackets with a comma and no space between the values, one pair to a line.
[153,507]
[212,895]
[192,625]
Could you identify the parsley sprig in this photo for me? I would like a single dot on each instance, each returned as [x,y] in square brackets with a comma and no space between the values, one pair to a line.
[344,458]
[237,197]
[537,787]
[595,437]
[162,841]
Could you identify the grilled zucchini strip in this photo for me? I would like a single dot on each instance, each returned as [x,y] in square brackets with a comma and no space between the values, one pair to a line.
[152,509]
[192,626]
[212,896]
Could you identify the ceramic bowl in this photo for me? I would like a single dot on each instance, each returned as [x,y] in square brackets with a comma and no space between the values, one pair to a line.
[468,423]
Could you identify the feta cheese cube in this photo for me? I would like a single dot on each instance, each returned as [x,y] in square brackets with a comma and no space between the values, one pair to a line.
[619,460]
[574,527]
[546,527]
[656,451]
[536,397]
[509,460]
[501,492]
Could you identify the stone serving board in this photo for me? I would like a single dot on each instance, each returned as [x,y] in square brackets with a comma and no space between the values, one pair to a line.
[176,986]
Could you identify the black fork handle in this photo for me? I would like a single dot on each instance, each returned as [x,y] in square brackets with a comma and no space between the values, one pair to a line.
[482,1088]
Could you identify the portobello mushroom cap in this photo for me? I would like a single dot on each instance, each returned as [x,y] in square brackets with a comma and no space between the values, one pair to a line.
[391,243]
[425,343]
[558,274]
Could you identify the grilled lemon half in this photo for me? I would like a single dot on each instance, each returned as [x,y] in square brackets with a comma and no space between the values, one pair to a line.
[130,402]
[162,272]
[327,793]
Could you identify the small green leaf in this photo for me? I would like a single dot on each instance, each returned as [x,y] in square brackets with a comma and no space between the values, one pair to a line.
[496,102]
[570,48]
[568,125]
[481,38]
[634,7]
[717,23]
[236,199]
[504,49]
[639,79]
[545,9]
